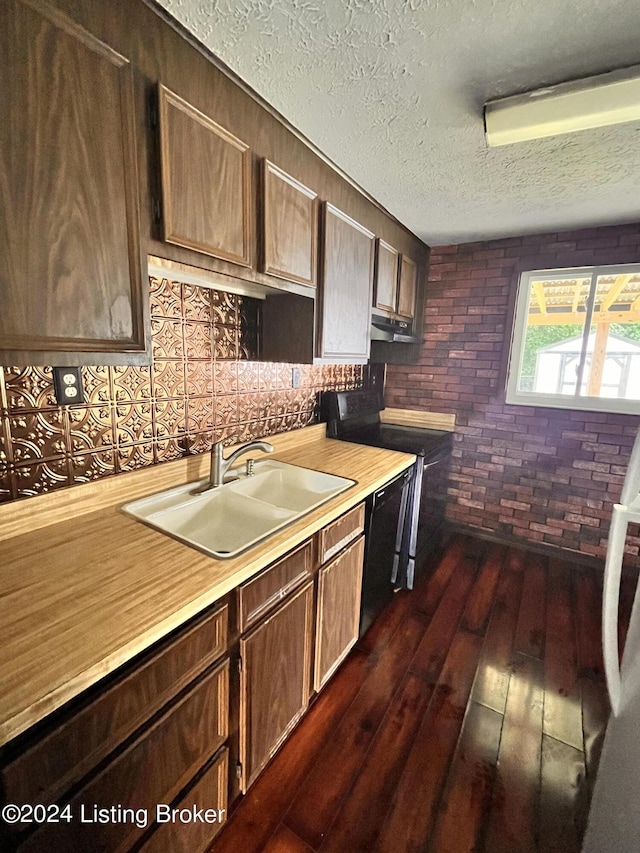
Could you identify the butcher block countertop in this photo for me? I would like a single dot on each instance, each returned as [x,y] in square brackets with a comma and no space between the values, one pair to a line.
[84,587]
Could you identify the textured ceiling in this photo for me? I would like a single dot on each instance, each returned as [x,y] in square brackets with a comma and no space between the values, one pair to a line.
[392,91]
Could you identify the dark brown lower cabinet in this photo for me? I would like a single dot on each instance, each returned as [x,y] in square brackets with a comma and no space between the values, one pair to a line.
[152,770]
[155,732]
[274,680]
[67,752]
[161,730]
[338,609]
[207,801]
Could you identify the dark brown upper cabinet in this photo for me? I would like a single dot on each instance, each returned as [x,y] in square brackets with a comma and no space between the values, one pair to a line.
[385,292]
[344,315]
[71,268]
[407,286]
[289,226]
[206,183]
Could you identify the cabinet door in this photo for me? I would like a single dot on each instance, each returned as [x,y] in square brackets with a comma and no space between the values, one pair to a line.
[290,226]
[386,277]
[206,183]
[346,288]
[339,588]
[274,680]
[79,742]
[209,792]
[70,264]
[153,769]
[407,288]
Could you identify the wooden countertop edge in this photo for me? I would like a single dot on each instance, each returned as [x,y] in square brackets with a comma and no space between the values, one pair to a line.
[414,417]
[16,719]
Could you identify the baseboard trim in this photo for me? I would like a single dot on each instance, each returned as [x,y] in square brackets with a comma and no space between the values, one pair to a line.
[545,549]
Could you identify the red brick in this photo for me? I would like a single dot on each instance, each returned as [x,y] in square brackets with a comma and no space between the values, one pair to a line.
[521,466]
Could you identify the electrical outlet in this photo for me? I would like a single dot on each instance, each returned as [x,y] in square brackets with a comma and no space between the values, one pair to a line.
[296,377]
[67,383]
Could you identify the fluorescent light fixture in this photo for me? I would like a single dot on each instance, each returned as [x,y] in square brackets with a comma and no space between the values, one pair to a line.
[606,99]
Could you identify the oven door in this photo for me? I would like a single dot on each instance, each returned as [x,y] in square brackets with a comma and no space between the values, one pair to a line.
[433,501]
[381,527]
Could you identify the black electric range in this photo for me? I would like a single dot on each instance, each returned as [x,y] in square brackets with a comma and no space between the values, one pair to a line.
[355,416]
[405,518]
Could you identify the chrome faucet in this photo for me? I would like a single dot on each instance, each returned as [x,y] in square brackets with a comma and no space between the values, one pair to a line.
[220,465]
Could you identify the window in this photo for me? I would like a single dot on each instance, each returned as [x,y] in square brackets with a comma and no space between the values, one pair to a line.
[576,340]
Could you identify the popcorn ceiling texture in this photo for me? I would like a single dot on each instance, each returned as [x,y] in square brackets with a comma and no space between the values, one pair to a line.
[392,91]
[204,384]
[543,475]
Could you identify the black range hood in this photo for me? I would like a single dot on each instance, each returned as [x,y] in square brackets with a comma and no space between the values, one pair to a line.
[386,329]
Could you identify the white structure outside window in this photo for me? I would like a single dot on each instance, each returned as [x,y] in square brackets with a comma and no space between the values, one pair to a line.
[576,340]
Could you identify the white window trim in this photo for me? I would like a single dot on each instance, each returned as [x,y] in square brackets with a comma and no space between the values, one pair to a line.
[516,348]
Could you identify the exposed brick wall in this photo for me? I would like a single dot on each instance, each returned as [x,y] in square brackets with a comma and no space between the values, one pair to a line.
[546,475]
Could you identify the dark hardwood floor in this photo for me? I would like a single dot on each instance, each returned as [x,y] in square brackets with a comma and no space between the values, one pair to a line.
[470,717]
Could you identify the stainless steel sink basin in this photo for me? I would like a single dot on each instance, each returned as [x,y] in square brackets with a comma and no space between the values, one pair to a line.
[223,522]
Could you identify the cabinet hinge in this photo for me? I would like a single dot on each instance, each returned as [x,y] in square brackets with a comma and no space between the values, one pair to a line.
[239,664]
[156,208]
[153,111]
[239,770]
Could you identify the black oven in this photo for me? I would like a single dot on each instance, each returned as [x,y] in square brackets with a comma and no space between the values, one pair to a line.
[404,522]
[382,541]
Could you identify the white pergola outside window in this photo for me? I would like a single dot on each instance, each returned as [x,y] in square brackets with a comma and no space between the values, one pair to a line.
[576,340]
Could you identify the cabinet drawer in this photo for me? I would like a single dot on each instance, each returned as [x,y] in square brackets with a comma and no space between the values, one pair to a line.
[337,535]
[209,793]
[65,755]
[260,594]
[152,770]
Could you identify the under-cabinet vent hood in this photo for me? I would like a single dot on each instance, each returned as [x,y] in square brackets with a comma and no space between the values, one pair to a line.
[386,329]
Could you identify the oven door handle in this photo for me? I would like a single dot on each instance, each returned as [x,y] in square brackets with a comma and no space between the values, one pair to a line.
[438,459]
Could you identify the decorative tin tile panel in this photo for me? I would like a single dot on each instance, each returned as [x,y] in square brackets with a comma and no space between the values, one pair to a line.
[225,343]
[97,385]
[225,308]
[267,376]
[225,377]
[134,422]
[29,388]
[226,410]
[167,450]
[200,414]
[166,337]
[92,466]
[37,435]
[248,376]
[90,427]
[199,377]
[200,442]
[131,383]
[7,485]
[165,297]
[204,384]
[133,456]
[168,379]
[41,477]
[196,304]
[268,405]
[198,342]
[169,418]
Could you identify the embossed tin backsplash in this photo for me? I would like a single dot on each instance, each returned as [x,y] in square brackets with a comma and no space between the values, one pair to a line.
[204,385]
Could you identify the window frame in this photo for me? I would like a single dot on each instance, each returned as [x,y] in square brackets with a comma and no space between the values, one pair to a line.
[574,402]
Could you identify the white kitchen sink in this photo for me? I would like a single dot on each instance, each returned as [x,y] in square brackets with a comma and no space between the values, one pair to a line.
[223,522]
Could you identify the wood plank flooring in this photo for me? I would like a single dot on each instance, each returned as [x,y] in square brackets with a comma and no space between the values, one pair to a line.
[470,717]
